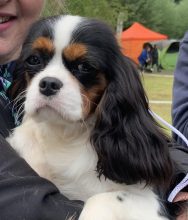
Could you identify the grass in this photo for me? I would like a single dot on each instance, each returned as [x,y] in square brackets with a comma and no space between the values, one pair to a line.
[158,87]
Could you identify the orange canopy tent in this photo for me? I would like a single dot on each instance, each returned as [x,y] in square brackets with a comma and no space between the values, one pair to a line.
[133,38]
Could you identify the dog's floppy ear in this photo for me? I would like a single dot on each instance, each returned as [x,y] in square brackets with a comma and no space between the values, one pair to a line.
[130,145]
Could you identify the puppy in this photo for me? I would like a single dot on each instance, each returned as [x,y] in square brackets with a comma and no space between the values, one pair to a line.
[86,124]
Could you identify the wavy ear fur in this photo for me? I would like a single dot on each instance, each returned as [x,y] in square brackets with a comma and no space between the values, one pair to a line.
[130,145]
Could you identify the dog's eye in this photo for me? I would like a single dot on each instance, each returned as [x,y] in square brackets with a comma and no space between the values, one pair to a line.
[80,67]
[33,60]
[83,67]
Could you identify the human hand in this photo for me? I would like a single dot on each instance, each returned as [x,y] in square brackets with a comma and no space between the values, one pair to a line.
[182,196]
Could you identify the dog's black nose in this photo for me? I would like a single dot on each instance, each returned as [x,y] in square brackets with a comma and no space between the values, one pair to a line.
[50,86]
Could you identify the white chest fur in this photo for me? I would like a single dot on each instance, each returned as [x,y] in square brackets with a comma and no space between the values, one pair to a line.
[66,157]
[63,156]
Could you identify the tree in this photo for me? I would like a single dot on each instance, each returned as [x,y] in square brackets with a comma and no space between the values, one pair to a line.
[102,9]
[160,15]
[181,23]
[177,1]
[166,16]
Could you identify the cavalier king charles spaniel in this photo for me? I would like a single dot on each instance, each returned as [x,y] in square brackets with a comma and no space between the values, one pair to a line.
[86,124]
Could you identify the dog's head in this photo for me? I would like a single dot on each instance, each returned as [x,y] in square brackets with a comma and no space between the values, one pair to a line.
[73,68]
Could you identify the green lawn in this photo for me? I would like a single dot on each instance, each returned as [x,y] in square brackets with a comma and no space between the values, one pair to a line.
[159,88]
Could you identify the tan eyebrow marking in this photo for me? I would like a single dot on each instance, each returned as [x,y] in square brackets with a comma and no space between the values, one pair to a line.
[44,44]
[75,51]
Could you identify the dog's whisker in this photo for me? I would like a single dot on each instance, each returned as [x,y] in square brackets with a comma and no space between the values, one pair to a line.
[84,124]
[20,94]
[19,112]
[17,118]
[18,105]
[87,99]
[19,97]
[87,103]
[15,101]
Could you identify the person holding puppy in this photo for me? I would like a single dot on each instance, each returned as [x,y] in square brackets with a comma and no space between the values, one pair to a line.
[23,194]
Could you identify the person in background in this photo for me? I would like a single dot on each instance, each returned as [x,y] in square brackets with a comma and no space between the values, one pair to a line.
[144,58]
[155,58]
[23,194]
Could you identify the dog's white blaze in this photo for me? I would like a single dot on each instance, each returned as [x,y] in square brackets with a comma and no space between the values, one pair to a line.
[63,31]
[68,101]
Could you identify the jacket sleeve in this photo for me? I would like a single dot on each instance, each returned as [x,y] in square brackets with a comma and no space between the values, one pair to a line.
[24,194]
[180,106]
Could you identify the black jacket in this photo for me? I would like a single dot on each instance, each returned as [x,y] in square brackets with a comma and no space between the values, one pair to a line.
[23,194]
[180,105]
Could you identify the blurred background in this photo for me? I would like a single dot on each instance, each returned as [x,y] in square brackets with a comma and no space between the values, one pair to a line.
[169,17]
[135,22]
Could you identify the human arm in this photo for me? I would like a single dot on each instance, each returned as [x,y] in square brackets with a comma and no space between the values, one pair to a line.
[180,92]
[25,195]
[180,114]
[180,106]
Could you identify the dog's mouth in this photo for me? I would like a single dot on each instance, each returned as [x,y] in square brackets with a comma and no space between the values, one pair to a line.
[51,113]
[48,113]
[47,108]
